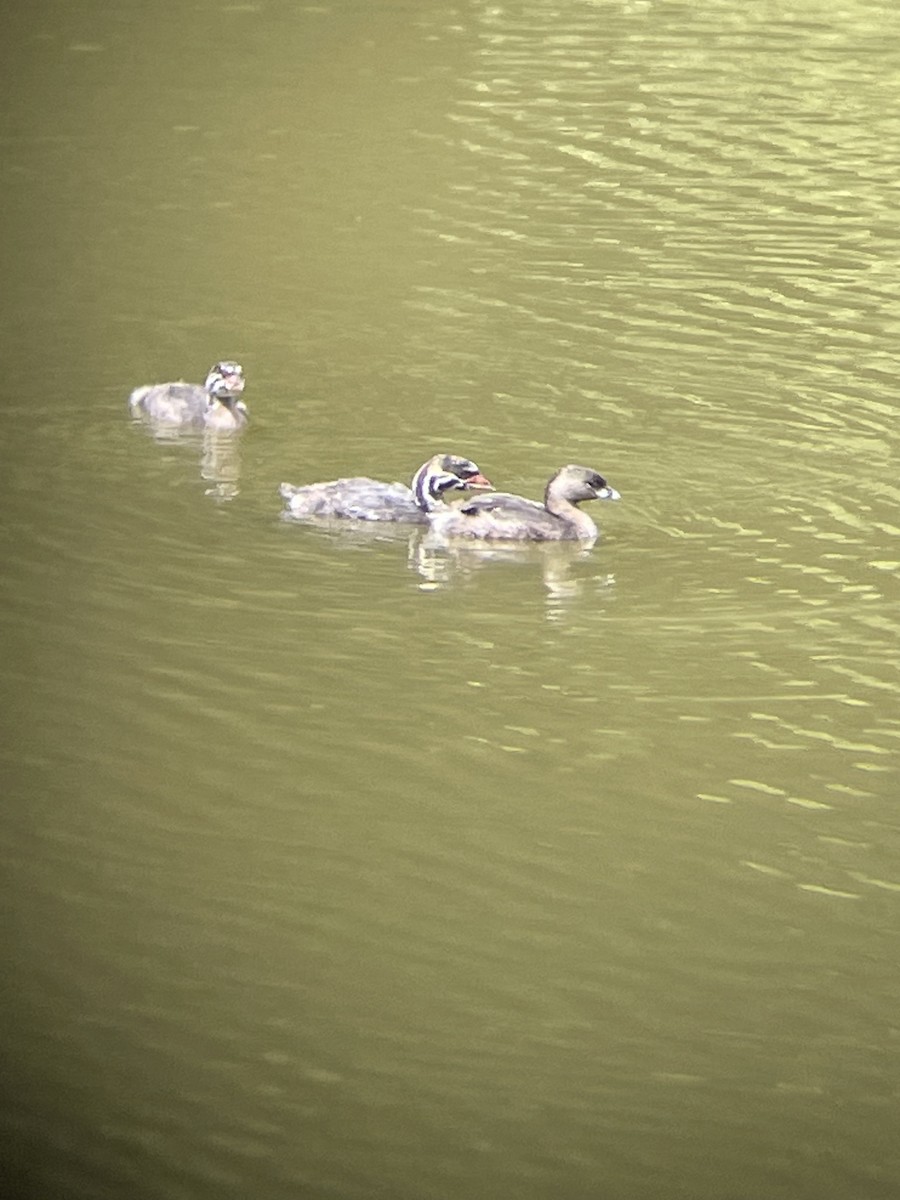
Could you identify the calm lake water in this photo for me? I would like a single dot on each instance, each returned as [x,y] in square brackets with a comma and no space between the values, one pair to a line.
[339,866]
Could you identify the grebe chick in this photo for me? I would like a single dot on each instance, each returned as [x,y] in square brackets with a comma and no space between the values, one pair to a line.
[363,499]
[215,405]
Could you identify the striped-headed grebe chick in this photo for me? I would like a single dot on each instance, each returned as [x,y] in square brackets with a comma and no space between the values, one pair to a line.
[363,499]
[215,405]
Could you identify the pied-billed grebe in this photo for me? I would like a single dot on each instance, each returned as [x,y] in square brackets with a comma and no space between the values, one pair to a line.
[364,499]
[216,405]
[503,515]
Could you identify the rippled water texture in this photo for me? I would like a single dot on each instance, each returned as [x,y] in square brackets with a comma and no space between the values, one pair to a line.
[340,864]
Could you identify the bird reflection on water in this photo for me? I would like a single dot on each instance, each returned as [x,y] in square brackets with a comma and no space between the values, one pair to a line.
[445,563]
[218,455]
[220,464]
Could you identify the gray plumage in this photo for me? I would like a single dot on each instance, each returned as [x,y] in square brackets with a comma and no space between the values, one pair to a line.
[215,405]
[360,498]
